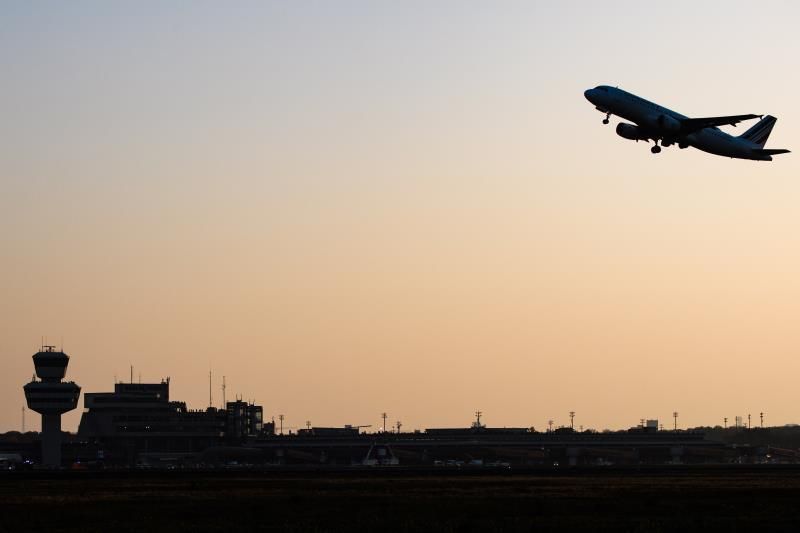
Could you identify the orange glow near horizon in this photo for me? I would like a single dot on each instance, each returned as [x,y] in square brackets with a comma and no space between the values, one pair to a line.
[366,209]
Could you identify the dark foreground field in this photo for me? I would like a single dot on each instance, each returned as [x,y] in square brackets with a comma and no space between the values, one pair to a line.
[728,499]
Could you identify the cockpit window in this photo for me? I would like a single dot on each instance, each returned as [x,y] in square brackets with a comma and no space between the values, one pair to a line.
[604,89]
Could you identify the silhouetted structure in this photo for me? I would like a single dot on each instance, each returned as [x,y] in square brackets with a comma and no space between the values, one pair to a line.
[243,420]
[51,397]
[138,423]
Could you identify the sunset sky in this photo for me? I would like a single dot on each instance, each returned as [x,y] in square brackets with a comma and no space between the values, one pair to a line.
[355,207]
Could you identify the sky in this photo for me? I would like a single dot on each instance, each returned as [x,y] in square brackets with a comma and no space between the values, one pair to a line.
[348,208]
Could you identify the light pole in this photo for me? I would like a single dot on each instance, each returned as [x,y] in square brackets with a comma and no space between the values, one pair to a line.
[280,417]
[572,420]
[675,417]
[384,415]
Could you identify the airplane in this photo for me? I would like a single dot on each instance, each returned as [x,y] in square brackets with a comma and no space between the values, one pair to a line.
[656,123]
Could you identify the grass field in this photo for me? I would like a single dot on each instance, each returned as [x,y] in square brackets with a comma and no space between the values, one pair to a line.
[727,499]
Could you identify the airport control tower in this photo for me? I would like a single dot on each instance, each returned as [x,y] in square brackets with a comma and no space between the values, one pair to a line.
[51,397]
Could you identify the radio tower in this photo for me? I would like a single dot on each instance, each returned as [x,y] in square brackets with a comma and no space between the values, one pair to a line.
[224,403]
[572,420]
[51,397]
[675,417]
[384,416]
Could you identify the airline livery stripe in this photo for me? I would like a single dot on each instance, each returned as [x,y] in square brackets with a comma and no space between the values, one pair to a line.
[760,132]
[757,129]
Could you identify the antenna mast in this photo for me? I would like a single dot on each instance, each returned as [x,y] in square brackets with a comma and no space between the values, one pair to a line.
[224,403]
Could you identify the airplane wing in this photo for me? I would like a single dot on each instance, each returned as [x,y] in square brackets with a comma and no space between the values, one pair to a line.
[690,125]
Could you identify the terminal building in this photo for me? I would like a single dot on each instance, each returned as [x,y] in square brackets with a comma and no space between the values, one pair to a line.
[139,424]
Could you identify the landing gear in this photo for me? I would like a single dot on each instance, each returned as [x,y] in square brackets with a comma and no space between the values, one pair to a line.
[605,120]
[655,149]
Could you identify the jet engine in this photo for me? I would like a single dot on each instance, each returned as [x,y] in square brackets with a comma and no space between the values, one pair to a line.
[631,132]
[667,123]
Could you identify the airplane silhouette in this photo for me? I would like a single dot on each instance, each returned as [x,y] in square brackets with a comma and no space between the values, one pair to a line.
[656,123]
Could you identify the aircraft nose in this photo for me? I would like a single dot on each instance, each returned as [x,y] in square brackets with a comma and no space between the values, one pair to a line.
[588,93]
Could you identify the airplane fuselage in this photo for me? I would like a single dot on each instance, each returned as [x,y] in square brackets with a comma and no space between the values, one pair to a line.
[654,122]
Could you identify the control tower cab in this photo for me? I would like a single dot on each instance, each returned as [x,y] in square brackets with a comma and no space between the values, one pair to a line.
[51,397]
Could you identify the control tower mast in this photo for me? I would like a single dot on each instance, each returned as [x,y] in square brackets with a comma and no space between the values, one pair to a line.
[51,397]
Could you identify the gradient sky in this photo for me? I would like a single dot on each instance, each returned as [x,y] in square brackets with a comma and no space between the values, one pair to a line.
[355,207]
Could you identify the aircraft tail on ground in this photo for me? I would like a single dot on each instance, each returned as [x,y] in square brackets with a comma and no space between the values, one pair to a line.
[759,133]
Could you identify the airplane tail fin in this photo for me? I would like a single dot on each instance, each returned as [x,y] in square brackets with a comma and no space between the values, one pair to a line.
[759,133]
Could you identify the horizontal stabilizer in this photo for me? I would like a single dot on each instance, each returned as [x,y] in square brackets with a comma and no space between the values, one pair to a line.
[771,151]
